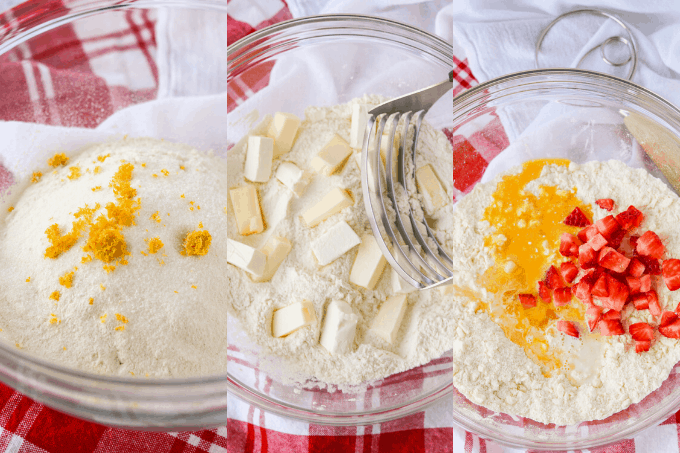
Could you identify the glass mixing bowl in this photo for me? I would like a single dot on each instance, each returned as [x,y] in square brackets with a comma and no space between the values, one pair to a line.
[152,404]
[342,57]
[580,115]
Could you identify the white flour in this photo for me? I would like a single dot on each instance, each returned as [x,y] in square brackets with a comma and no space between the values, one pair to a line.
[494,372]
[427,329]
[172,328]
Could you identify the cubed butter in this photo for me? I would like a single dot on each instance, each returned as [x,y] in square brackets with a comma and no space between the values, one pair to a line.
[282,129]
[293,177]
[332,157]
[276,250]
[259,157]
[369,263]
[338,240]
[288,319]
[433,193]
[247,210]
[333,202]
[399,285]
[339,328]
[386,324]
[358,128]
[246,257]
[357,156]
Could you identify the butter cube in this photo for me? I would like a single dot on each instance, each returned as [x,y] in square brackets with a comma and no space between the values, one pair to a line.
[338,240]
[246,257]
[358,128]
[247,209]
[259,159]
[288,319]
[368,264]
[357,156]
[332,157]
[386,324]
[333,202]
[433,193]
[399,285]
[282,129]
[339,328]
[276,250]
[292,177]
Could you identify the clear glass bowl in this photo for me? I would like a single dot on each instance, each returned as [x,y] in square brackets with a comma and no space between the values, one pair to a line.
[151,404]
[352,54]
[560,113]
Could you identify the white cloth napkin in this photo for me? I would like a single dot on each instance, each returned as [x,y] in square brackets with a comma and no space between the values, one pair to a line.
[500,38]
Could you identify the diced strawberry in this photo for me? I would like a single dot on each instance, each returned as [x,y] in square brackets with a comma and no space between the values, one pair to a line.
[561,296]
[577,218]
[597,242]
[649,244]
[630,218]
[611,314]
[600,288]
[636,268]
[588,232]
[617,294]
[553,279]
[609,327]
[671,330]
[605,203]
[671,274]
[527,300]
[640,301]
[633,284]
[589,276]
[593,315]
[641,331]
[587,257]
[642,346]
[544,292]
[667,317]
[616,238]
[613,260]
[568,328]
[568,271]
[633,242]
[653,300]
[607,226]
[582,290]
[645,283]
[569,245]
[652,265]
[677,309]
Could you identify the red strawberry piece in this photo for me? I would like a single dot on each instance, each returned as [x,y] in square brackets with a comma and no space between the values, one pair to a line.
[612,314]
[649,244]
[633,285]
[641,331]
[652,265]
[527,300]
[607,226]
[597,242]
[671,330]
[587,257]
[544,292]
[582,290]
[568,271]
[636,268]
[640,301]
[645,283]
[561,296]
[568,328]
[569,245]
[553,279]
[600,288]
[588,232]
[618,294]
[633,243]
[653,300]
[671,274]
[616,238]
[613,260]
[589,276]
[677,309]
[577,218]
[642,346]
[605,203]
[630,218]
[609,327]
[667,317]
[593,315]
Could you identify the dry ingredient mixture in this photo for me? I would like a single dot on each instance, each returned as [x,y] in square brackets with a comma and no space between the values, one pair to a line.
[304,282]
[565,297]
[113,260]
